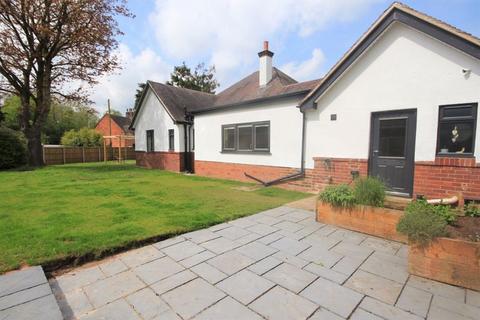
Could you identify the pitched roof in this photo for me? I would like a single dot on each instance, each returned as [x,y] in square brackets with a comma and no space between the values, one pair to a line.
[177,100]
[401,13]
[123,122]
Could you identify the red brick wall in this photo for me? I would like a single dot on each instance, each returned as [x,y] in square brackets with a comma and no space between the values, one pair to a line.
[444,177]
[447,177]
[172,161]
[103,127]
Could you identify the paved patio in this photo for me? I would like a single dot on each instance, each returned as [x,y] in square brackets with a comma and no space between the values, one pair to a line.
[278,264]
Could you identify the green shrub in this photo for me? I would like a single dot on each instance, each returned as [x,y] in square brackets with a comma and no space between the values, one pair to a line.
[13,149]
[84,137]
[422,223]
[445,212]
[340,195]
[369,191]
[471,210]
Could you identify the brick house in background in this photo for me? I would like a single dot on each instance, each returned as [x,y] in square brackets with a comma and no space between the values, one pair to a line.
[120,126]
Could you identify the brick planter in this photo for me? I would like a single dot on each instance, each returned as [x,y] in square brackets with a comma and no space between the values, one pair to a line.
[452,261]
[379,222]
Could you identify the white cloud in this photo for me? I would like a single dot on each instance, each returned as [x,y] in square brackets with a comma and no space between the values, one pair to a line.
[307,69]
[228,31]
[120,87]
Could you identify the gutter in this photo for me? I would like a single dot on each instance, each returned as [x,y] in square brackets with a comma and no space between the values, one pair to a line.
[299,174]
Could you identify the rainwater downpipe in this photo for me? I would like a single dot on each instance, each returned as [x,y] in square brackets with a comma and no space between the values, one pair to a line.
[299,174]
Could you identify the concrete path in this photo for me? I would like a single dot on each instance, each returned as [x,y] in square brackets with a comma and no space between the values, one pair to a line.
[278,264]
[25,294]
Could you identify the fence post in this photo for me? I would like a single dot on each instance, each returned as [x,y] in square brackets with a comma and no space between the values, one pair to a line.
[99,157]
[43,155]
[64,160]
[83,154]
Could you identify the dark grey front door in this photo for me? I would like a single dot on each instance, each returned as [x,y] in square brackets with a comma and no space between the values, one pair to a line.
[392,149]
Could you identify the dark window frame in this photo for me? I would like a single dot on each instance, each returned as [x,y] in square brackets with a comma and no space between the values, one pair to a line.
[465,119]
[254,149]
[151,142]
[171,140]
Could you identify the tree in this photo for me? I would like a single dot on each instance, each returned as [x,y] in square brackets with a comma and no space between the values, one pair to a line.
[114,112]
[45,44]
[63,116]
[82,138]
[138,94]
[202,79]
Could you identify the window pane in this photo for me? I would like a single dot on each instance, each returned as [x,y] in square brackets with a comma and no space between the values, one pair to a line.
[245,138]
[229,138]
[456,137]
[171,143]
[457,112]
[392,137]
[262,137]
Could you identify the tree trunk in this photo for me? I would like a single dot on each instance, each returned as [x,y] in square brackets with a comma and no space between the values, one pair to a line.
[35,152]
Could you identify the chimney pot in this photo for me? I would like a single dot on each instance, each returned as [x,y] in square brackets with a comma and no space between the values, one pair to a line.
[265,70]
[265,45]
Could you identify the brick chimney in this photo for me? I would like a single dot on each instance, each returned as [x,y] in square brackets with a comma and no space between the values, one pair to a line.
[265,70]
[129,113]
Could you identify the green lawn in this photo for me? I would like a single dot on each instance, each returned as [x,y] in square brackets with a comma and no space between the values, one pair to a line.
[71,210]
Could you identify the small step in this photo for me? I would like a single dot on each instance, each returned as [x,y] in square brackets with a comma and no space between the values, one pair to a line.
[398,203]
[26,294]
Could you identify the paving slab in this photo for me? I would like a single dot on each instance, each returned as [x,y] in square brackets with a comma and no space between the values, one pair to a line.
[243,222]
[141,256]
[256,250]
[437,313]
[271,238]
[290,246]
[24,296]
[296,215]
[172,282]
[265,219]
[110,289]
[182,250]
[382,265]
[119,309]
[168,242]
[386,311]
[281,304]
[200,236]
[348,236]
[220,245]
[352,250]
[320,241]
[332,296]
[264,265]
[382,245]
[192,298]
[459,308]
[113,267]
[415,301]
[231,262]
[375,286]
[78,278]
[157,270]
[321,256]
[197,259]
[245,286]
[228,309]
[209,273]
[262,229]
[348,265]
[290,277]
[288,258]
[21,280]
[277,212]
[252,236]
[473,298]
[324,314]
[74,304]
[437,288]
[360,314]
[232,233]
[147,304]
[288,226]
[45,308]
[326,273]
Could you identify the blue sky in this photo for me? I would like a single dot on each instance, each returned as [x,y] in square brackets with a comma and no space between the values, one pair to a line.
[307,37]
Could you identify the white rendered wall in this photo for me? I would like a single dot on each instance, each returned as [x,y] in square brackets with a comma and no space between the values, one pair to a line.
[265,70]
[404,69]
[153,116]
[285,134]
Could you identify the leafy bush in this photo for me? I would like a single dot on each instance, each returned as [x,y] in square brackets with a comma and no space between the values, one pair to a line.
[369,191]
[445,212]
[471,210]
[340,195]
[422,223]
[13,149]
[82,138]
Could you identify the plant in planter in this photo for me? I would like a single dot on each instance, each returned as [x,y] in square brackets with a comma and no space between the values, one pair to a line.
[337,205]
[472,210]
[423,222]
[340,195]
[369,191]
[432,255]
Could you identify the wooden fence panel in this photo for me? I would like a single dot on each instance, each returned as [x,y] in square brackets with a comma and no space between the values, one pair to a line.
[62,155]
